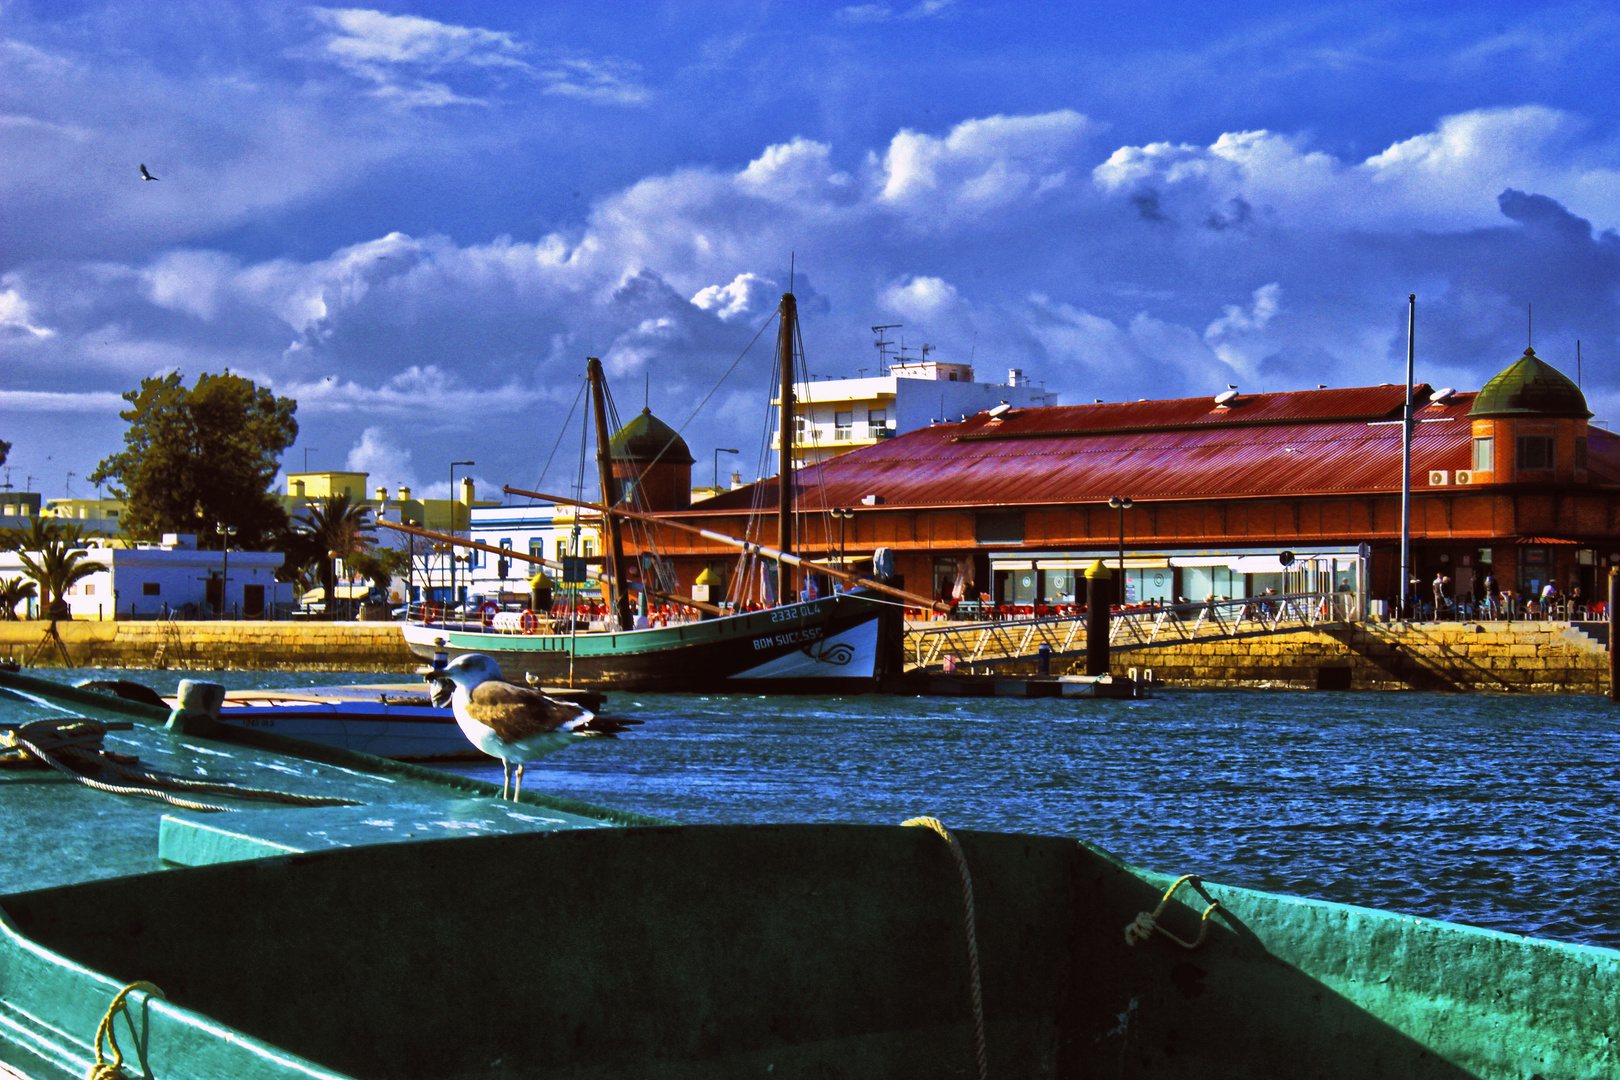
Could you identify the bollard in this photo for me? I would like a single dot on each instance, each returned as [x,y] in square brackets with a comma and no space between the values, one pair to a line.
[1099,594]
[1614,629]
[197,707]
[1043,659]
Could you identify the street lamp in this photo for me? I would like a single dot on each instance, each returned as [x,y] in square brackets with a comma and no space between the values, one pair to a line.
[717,452]
[453,465]
[843,515]
[225,534]
[1121,503]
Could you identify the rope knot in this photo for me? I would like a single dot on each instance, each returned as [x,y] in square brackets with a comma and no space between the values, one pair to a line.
[114,1069]
[1146,924]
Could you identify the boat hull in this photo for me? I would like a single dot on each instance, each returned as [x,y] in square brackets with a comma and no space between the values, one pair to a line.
[836,644]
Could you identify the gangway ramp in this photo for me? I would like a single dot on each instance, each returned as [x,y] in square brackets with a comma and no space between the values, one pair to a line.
[1145,628]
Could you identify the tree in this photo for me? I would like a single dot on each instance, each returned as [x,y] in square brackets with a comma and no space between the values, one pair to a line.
[54,559]
[334,528]
[198,458]
[13,591]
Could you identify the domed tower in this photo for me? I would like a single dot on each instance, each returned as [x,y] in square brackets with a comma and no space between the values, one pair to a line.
[1529,425]
[650,453]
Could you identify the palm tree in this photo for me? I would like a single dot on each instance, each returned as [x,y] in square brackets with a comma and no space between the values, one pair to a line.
[55,565]
[13,591]
[334,528]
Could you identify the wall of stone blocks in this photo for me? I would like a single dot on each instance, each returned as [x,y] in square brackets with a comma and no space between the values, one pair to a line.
[206,646]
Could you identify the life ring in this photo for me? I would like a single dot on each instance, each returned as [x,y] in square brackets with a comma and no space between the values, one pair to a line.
[527,621]
[486,612]
[430,613]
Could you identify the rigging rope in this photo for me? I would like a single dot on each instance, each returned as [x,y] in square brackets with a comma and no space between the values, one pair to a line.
[114,1069]
[1146,923]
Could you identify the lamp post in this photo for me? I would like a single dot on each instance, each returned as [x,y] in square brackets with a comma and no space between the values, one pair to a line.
[843,515]
[453,465]
[225,533]
[1121,503]
[331,613]
[717,452]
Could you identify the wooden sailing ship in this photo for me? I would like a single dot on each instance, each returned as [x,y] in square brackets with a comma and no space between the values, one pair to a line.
[842,642]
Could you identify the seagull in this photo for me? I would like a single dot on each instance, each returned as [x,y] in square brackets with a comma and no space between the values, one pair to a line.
[146,175]
[514,723]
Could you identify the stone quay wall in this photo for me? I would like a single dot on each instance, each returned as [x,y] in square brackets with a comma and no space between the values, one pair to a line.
[1518,657]
[212,646]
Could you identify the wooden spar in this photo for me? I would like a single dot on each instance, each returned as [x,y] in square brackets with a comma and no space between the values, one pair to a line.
[784,462]
[618,595]
[508,553]
[759,549]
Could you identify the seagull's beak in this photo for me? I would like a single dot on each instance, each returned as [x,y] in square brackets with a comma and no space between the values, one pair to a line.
[429,674]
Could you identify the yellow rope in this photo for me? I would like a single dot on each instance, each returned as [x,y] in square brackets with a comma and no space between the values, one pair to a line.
[1143,926]
[114,1069]
[970,922]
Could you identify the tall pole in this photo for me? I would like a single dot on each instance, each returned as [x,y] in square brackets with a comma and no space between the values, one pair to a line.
[1614,634]
[1406,458]
[784,464]
[452,601]
[618,595]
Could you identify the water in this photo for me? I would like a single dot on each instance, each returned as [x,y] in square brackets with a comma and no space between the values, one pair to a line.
[1494,810]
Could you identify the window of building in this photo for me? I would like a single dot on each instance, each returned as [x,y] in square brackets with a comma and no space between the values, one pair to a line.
[562,549]
[877,418]
[1535,452]
[843,424]
[150,588]
[537,548]
[1580,451]
[89,588]
[999,527]
[590,548]
[1484,455]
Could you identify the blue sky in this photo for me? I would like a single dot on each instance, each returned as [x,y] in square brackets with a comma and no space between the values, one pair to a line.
[419,219]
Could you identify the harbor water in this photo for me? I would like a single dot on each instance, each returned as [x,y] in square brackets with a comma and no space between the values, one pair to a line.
[1492,810]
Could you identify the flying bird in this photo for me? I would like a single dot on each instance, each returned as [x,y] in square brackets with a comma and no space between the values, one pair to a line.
[146,175]
[514,723]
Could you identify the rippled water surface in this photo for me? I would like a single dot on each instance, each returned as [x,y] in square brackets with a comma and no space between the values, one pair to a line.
[1493,810]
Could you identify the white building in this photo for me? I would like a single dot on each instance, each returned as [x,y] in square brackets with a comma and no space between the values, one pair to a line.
[536,530]
[836,416]
[172,578]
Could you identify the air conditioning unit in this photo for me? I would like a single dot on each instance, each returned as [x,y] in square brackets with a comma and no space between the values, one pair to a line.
[1439,478]
[1464,476]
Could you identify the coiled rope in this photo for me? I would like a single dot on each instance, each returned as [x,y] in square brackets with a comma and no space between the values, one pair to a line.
[114,1069]
[970,923]
[75,750]
[1146,923]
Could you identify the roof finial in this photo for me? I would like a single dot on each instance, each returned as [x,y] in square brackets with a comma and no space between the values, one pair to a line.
[1529,328]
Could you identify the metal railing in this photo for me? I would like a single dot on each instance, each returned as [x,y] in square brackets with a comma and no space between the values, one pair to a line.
[1148,626]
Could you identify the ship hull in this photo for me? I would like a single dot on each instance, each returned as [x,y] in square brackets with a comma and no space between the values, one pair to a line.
[835,644]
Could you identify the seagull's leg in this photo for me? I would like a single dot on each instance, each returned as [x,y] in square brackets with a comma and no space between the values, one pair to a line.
[516,790]
[506,776]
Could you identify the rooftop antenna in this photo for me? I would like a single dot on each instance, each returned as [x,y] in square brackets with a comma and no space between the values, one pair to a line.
[792,268]
[926,349]
[975,350]
[883,344]
[1529,326]
[1577,363]
[7,484]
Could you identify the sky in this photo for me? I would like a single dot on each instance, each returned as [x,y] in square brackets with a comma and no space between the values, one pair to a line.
[419,220]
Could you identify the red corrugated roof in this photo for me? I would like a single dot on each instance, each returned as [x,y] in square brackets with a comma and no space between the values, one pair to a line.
[1307,443]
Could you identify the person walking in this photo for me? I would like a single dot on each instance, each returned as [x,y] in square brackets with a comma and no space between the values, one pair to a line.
[1549,600]
[1440,581]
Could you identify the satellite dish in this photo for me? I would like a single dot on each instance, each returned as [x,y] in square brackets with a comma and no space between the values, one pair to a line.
[1286,558]
[999,409]
[1225,396]
[1442,395]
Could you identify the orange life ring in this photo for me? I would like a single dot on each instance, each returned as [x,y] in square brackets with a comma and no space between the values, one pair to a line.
[527,621]
[486,612]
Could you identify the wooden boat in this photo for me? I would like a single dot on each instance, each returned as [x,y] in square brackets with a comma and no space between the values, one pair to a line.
[845,642]
[433,931]
[392,720]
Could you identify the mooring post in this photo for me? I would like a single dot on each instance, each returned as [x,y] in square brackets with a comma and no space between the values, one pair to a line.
[1614,630]
[1099,594]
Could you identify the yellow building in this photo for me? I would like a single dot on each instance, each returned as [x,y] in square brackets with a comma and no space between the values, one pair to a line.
[443,515]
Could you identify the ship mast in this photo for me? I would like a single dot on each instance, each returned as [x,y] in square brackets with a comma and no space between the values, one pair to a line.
[784,477]
[618,595]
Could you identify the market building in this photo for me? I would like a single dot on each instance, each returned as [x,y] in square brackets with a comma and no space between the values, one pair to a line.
[1511,483]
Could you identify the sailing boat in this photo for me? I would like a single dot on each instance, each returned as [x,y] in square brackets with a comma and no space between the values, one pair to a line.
[841,643]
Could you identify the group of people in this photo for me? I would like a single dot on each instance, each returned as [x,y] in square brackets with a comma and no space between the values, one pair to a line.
[1495,603]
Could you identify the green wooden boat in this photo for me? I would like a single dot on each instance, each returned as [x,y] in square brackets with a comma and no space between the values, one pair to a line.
[433,931]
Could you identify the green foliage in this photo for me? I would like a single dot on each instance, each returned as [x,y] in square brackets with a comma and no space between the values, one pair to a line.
[13,591]
[52,557]
[197,458]
[381,565]
[334,528]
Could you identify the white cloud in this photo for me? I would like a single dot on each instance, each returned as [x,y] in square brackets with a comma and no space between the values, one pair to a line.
[426,396]
[920,298]
[747,294]
[982,166]
[93,401]
[15,318]
[1235,336]
[879,13]
[387,462]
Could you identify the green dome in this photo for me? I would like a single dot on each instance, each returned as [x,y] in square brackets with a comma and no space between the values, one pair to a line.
[1531,387]
[647,438]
